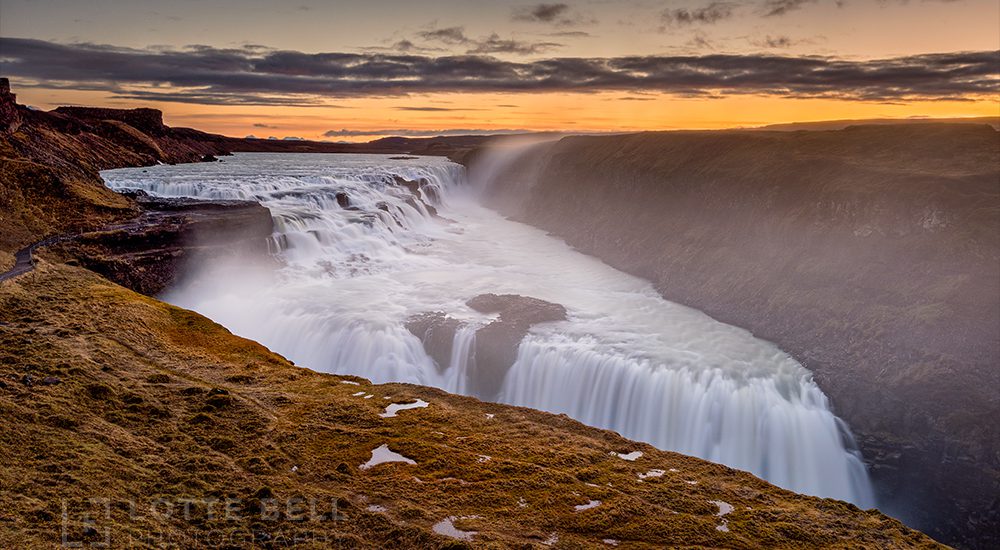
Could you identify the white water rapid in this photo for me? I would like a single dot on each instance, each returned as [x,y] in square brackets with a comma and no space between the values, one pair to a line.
[626,359]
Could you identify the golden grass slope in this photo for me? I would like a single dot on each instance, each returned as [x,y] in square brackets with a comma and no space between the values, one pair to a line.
[144,404]
[6,261]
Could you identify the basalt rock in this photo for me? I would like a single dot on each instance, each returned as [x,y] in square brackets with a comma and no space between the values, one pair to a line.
[10,118]
[421,188]
[147,253]
[497,343]
[437,332]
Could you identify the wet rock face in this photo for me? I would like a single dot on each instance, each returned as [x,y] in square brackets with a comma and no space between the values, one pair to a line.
[518,310]
[421,188]
[437,332]
[148,253]
[497,343]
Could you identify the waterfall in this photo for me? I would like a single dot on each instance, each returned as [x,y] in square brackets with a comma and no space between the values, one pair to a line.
[366,243]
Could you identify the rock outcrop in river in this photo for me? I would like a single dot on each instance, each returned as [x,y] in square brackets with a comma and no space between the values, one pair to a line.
[871,254]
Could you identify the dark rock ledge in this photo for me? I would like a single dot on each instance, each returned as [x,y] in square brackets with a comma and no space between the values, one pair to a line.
[496,344]
[148,253]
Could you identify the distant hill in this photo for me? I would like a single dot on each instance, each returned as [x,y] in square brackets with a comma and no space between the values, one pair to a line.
[841,124]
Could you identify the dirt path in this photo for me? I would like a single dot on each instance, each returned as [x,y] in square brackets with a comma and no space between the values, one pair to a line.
[23,261]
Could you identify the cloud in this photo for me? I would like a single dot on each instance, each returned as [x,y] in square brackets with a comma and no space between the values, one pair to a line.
[447,35]
[260,125]
[495,44]
[712,13]
[773,42]
[436,109]
[283,77]
[544,13]
[455,36]
[570,34]
[557,14]
[772,8]
[407,132]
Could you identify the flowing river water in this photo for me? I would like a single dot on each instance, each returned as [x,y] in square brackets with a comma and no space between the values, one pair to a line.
[348,277]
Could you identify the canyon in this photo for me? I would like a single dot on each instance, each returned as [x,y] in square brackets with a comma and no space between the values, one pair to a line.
[889,366]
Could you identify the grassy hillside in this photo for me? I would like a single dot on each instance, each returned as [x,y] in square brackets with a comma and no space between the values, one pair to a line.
[109,394]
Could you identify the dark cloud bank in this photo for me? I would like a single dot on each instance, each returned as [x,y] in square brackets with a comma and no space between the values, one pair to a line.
[203,74]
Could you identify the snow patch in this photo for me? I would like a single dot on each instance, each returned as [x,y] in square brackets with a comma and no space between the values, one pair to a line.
[652,473]
[381,455]
[724,508]
[447,528]
[587,506]
[391,410]
[631,457]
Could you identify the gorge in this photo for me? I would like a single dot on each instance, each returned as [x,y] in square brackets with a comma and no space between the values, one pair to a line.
[405,269]
[356,269]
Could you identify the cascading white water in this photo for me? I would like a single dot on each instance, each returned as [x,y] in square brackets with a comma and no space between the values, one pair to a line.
[625,359]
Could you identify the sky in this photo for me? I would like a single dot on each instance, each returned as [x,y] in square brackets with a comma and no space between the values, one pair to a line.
[355,70]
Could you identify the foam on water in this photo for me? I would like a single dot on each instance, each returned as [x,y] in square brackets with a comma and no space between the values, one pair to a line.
[626,359]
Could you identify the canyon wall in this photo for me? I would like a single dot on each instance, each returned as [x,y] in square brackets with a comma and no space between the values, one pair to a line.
[871,254]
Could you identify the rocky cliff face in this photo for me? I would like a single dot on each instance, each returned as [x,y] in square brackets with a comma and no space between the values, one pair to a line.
[150,252]
[871,254]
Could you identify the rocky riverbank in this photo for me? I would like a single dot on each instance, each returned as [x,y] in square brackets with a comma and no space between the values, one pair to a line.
[870,254]
[149,252]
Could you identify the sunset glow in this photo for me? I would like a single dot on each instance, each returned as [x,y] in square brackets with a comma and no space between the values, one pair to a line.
[120,51]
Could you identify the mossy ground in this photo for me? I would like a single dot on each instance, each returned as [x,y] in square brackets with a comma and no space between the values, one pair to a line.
[133,400]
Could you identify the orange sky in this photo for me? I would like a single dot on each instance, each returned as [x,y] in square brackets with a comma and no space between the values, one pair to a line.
[855,30]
